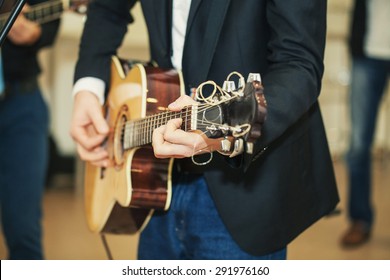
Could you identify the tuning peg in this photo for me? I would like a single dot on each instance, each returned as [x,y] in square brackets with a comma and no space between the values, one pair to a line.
[252,77]
[241,82]
[249,148]
[225,145]
[238,147]
[229,86]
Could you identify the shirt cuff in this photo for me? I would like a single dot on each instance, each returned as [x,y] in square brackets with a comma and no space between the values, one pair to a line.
[91,84]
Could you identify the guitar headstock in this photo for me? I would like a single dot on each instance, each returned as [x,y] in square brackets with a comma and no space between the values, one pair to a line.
[78,6]
[233,113]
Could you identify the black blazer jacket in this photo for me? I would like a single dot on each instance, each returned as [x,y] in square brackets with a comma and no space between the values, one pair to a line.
[288,183]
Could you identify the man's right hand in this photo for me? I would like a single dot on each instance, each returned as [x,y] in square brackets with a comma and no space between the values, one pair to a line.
[89,128]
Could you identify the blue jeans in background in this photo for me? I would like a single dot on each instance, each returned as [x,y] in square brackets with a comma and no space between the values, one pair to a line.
[368,81]
[192,228]
[23,160]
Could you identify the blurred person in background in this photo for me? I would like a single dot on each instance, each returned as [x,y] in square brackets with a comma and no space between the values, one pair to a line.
[370,50]
[24,128]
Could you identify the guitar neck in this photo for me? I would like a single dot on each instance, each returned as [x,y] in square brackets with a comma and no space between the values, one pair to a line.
[139,132]
[41,13]
[46,12]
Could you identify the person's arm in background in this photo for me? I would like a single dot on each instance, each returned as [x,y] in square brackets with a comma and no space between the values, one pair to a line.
[27,33]
[25,39]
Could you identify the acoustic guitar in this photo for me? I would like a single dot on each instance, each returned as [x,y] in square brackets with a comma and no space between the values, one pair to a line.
[122,197]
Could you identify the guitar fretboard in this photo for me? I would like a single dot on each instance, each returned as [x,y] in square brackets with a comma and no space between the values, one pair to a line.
[40,13]
[139,132]
[46,12]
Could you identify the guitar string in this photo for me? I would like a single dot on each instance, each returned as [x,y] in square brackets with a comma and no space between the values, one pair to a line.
[209,101]
[48,4]
[143,134]
[169,115]
[53,8]
[146,125]
[197,152]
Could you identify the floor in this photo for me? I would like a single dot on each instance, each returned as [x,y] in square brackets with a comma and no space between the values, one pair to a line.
[67,236]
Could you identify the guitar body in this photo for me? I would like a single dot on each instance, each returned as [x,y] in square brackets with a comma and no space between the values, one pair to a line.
[121,198]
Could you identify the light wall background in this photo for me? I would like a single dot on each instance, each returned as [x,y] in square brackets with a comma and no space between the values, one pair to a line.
[59,61]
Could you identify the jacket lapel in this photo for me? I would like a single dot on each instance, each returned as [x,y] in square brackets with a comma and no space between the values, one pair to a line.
[194,8]
[163,18]
[217,12]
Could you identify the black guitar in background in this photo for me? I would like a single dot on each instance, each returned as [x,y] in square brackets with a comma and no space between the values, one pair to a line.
[45,12]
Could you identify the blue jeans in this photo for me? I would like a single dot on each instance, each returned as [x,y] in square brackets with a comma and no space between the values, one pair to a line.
[369,78]
[23,160]
[192,228]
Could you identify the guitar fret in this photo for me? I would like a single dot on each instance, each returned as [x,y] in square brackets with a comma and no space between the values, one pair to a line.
[38,13]
[48,11]
[144,130]
[132,128]
[137,139]
[125,139]
[48,18]
[43,13]
[140,132]
[150,129]
[159,120]
[138,126]
[147,132]
[185,120]
[144,134]
[129,139]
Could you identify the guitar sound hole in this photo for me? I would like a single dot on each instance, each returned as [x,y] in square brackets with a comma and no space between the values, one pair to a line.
[119,138]
[122,137]
[102,172]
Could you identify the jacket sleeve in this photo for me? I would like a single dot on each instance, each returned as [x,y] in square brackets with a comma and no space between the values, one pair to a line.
[103,33]
[292,82]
